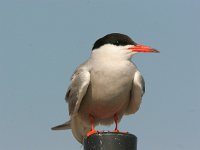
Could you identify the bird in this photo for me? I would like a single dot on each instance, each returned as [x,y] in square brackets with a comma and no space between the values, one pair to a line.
[105,87]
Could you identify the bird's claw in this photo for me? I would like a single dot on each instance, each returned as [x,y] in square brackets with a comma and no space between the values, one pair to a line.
[91,132]
[116,130]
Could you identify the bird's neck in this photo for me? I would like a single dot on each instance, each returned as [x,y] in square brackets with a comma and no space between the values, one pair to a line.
[110,52]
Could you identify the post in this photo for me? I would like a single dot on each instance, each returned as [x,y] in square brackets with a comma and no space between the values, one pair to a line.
[111,141]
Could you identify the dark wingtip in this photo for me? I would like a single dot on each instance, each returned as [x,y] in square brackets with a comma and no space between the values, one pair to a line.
[63,126]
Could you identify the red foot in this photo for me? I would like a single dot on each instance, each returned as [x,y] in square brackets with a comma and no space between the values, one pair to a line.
[124,132]
[116,130]
[91,132]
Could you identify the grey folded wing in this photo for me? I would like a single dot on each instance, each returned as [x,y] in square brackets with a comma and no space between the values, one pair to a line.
[77,89]
[137,91]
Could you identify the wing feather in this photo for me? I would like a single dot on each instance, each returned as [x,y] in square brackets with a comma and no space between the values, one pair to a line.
[76,91]
[137,91]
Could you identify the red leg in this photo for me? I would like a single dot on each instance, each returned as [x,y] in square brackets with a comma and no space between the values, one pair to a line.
[92,131]
[116,123]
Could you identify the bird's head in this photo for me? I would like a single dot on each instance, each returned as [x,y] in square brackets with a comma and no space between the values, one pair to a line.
[117,43]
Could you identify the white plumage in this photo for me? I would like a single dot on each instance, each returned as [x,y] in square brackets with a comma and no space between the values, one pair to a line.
[108,83]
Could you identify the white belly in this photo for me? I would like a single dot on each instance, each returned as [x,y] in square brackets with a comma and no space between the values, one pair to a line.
[108,93]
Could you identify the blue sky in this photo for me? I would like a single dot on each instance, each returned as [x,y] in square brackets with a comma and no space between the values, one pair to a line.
[43,41]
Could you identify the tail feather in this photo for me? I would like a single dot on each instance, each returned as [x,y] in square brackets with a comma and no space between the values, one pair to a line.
[63,126]
[77,125]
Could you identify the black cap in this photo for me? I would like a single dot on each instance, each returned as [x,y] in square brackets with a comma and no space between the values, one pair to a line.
[115,39]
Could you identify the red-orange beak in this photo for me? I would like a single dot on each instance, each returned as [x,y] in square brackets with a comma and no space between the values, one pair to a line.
[143,48]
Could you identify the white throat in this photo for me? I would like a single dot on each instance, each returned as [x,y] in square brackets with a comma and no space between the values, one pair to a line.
[112,52]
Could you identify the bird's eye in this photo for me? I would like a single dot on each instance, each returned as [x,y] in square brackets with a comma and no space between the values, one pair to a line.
[116,42]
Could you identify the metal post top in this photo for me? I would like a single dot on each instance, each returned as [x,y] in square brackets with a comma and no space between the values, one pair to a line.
[111,141]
